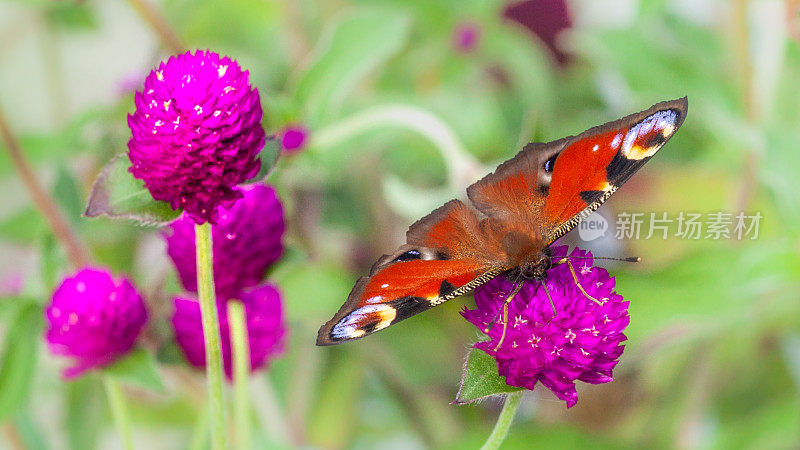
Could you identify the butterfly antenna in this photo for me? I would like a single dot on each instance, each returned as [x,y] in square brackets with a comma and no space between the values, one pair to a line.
[508,299]
[631,259]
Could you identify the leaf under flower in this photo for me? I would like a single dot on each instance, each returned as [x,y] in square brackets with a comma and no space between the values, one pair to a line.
[269,158]
[117,194]
[480,379]
[138,368]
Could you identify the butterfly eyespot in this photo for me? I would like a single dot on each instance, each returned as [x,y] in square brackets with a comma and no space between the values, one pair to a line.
[409,256]
[548,165]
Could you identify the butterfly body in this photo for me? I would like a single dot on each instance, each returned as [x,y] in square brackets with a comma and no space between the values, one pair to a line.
[516,213]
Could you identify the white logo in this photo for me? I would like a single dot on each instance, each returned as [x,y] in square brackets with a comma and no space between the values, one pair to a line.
[592,227]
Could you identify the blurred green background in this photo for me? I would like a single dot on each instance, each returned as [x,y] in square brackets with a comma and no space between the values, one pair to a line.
[401,119]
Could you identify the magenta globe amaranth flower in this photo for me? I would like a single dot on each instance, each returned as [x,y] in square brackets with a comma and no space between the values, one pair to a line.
[94,319]
[196,133]
[246,241]
[547,19]
[582,342]
[293,138]
[265,328]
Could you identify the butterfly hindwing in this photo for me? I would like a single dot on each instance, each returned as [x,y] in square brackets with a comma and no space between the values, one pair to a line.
[405,285]
[439,263]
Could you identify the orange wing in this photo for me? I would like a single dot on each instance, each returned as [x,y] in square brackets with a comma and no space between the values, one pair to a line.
[553,186]
[444,258]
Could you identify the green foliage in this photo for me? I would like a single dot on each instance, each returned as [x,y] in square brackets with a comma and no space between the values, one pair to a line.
[18,360]
[269,157]
[350,47]
[76,17]
[138,368]
[712,353]
[480,379]
[117,194]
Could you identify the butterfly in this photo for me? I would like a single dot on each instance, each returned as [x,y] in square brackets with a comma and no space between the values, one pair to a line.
[516,213]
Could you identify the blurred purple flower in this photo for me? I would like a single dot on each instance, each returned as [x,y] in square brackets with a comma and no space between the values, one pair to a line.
[582,342]
[94,319]
[293,138]
[11,284]
[246,241]
[546,19]
[196,133]
[130,82]
[466,37]
[266,329]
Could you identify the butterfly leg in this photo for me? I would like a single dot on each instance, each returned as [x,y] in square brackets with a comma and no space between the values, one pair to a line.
[578,283]
[552,305]
[505,313]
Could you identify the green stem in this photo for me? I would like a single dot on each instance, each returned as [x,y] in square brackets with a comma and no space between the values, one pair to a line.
[211,336]
[78,254]
[504,421]
[119,410]
[241,372]
[155,18]
[271,415]
[199,439]
[462,167]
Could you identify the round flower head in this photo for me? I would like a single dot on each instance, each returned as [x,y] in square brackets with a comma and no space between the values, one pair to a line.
[582,341]
[246,241]
[547,19]
[293,138]
[94,319]
[196,133]
[265,328]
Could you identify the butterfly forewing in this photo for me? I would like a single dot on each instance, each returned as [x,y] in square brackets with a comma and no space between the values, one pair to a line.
[593,165]
[552,186]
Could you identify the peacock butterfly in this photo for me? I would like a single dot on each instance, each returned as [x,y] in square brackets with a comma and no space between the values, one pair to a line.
[517,212]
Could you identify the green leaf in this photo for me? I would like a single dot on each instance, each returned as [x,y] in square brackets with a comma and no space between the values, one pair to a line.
[10,305]
[29,431]
[117,194]
[85,413]
[71,16]
[170,353]
[330,425]
[480,379]
[18,364]
[269,157]
[68,194]
[348,50]
[311,289]
[139,369]
[51,261]
[410,201]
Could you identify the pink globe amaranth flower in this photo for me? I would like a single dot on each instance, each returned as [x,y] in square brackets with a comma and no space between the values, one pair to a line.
[546,19]
[94,319]
[266,330]
[466,37]
[246,241]
[582,342]
[196,133]
[293,138]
